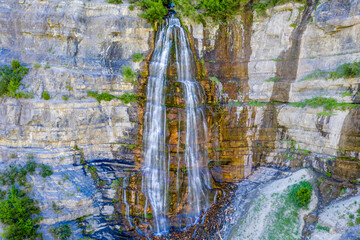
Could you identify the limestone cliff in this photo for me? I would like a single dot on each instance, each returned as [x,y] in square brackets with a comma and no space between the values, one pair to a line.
[82,46]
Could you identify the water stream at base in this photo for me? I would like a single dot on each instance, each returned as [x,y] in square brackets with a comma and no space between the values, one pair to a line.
[172,43]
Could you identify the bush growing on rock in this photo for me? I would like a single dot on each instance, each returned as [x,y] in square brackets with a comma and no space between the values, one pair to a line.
[138,57]
[129,75]
[17,213]
[10,79]
[45,171]
[13,174]
[62,232]
[154,11]
[46,95]
[115,1]
[346,70]
[300,194]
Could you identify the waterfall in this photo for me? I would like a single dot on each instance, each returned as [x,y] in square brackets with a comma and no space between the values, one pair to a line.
[171,40]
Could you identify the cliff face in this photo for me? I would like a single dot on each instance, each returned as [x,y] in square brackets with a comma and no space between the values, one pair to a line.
[265,60]
[83,46]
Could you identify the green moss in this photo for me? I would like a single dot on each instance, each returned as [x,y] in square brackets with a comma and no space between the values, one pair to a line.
[328,174]
[253,103]
[327,229]
[36,65]
[273,79]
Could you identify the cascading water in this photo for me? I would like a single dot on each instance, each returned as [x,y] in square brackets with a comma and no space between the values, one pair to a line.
[172,44]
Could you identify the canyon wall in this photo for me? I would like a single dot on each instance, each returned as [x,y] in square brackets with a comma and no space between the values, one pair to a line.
[262,61]
[82,46]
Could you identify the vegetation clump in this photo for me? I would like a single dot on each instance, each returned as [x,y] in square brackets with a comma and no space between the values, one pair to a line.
[126,97]
[105,96]
[326,103]
[18,212]
[315,75]
[220,12]
[300,194]
[153,11]
[61,232]
[273,79]
[261,6]
[138,57]
[10,80]
[13,174]
[346,70]
[45,171]
[115,1]
[46,95]
[129,75]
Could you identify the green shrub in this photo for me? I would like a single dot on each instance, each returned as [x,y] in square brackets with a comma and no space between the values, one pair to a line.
[105,96]
[128,97]
[17,213]
[10,79]
[115,1]
[154,11]
[56,208]
[137,57]
[346,70]
[315,75]
[253,103]
[326,103]
[12,174]
[46,66]
[30,166]
[131,7]
[46,95]
[327,229]
[300,194]
[62,232]
[273,79]
[36,65]
[260,7]
[45,171]
[221,11]
[129,75]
